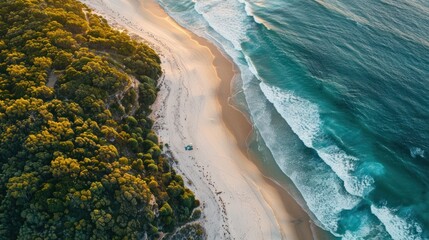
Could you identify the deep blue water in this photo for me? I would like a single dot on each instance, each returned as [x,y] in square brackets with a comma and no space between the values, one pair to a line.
[349,81]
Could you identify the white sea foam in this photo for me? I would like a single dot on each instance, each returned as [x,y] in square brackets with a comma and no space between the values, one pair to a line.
[226,18]
[303,117]
[252,67]
[249,11]
[417,152]
[343,164]
[398,227]
[324,195]
[247,8]
[368,230]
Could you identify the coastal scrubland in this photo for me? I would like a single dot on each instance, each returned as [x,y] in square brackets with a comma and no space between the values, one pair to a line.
[77,154]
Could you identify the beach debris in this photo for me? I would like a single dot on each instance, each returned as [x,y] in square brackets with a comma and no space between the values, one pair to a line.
[189,147]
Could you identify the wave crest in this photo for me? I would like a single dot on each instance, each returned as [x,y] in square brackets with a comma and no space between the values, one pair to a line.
[398,227]
[304,119]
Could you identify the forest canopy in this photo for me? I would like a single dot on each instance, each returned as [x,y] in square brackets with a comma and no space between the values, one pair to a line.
[77,154]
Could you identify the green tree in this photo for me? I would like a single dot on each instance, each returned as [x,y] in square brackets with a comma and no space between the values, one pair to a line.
[79,161]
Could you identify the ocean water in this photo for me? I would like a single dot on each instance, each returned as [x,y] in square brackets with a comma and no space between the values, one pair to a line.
[339,94]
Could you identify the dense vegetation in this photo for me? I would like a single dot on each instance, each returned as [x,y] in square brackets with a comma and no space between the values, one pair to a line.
[78,157]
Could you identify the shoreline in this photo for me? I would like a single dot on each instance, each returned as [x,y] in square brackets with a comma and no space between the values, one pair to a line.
[277,213]
[241,128]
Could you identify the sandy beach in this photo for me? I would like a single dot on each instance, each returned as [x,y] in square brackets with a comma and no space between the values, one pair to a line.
[193,107]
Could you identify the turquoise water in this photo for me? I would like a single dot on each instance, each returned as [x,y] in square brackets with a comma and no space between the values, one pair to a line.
[339,94]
